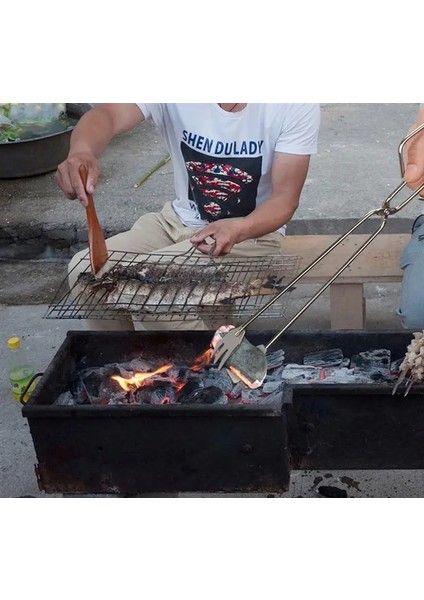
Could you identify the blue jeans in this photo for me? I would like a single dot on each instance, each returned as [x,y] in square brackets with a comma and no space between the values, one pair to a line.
[411,309]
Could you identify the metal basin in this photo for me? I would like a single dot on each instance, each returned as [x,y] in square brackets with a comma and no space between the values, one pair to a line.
[41,154]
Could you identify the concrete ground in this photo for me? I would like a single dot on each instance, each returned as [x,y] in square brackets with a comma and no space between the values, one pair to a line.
[355,169]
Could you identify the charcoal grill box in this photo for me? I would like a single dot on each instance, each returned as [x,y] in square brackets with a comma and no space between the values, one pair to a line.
[145,449]
[168,449]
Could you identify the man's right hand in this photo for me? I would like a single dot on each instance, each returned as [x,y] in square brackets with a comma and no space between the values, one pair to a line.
[91,136]
[69,179]
[414,156]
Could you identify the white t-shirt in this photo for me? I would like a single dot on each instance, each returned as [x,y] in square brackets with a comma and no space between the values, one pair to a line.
[222,160]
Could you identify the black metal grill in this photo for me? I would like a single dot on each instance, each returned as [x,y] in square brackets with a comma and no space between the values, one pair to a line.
[138,449]
[164,287]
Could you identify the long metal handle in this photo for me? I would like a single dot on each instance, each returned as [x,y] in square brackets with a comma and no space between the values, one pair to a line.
[385,215]
[307,269]
[384,212]
[402,147]
[329,282]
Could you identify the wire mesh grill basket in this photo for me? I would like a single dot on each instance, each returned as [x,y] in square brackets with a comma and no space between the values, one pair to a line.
[165,287]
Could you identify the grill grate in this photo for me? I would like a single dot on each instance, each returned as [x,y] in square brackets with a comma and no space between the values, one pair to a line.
[166,287]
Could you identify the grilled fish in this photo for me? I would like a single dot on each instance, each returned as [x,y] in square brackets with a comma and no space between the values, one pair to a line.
[164,288]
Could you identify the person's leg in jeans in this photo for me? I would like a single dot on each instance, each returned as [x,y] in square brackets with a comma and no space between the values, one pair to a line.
[411,309]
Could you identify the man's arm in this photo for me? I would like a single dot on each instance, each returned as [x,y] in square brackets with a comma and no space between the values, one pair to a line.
[288,176]
[89,139]
[414,160]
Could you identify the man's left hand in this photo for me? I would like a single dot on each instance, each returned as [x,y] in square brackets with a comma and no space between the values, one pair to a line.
[225,234]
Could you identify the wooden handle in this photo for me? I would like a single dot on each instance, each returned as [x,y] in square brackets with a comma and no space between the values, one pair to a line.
[96,240]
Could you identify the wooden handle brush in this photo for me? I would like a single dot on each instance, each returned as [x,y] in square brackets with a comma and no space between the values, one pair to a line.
[96,239]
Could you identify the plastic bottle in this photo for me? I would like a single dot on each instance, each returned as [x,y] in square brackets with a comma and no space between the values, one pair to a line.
[20,371]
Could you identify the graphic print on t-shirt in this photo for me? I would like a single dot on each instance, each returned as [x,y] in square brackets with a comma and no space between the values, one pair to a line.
[221,187]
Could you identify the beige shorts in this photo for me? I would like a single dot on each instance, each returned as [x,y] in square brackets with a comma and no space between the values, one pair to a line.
[163,232]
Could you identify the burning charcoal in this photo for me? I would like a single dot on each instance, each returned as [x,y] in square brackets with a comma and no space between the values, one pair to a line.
[339,375]
[65,399]
[163,394]
[275,374]
[157,392]
[300,373]
[271,386]
[249,396]
[378,357]
[179,373]
[110,388]
[274,397]
[139,365]
[275,359]
[93,379]
[237,390]
[219,379]
[372,365]
[187,394]
[210,395]
[118,397]
[324,358]
[101,401]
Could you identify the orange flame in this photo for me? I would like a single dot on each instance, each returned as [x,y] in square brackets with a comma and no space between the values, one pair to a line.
[201,361]
[138,379]
[253,385]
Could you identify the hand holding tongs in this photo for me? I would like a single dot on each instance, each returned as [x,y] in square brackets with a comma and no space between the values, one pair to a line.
[234,338]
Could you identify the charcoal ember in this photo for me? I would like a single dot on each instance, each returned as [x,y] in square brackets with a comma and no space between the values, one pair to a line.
[372,365]
[380,357]
[119,397]
[65,399]
[220,379]
[339,375]
[179,373]
[275,374]
[275,359]
[188,393]
[111,388]
[270,387]
[249,396]
[100,401]
[237,390]
[93,379]
[164,394]
[139,365]
[157,392]
[274,397]
[194,392]
[210,395]
[324,358]
[300,373]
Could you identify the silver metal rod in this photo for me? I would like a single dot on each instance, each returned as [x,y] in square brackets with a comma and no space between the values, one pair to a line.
[399,207]
[329,282]
[308,268]
[402,146]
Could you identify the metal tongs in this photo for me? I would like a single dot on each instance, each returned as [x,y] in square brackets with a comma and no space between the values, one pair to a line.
[254,359]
